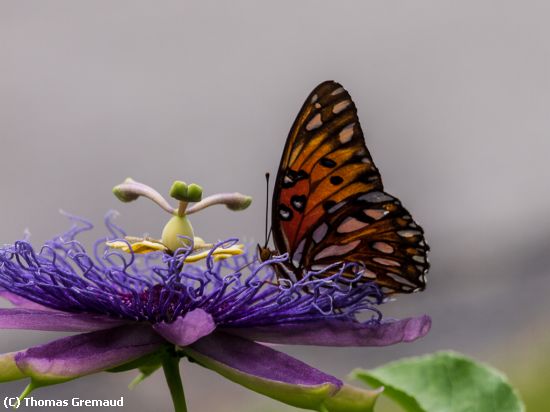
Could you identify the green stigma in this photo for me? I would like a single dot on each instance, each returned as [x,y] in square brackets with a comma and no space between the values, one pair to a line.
[186,193]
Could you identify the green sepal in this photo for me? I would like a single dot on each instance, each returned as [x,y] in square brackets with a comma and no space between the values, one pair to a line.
[9,371]
[179,191]
[307,397]
[8,368]
[194,193]
[444,381]
[40,382]
[144,372]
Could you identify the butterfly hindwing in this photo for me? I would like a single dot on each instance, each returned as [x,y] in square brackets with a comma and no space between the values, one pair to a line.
[329,204]
[377,231]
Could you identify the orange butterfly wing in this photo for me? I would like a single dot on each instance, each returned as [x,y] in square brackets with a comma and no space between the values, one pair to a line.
[329,205]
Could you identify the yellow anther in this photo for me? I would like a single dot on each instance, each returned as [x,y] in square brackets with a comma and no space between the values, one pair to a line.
[137,245]
[148,245]
[218,254]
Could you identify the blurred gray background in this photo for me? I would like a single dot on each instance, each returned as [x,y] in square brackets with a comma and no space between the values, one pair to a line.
[454,96]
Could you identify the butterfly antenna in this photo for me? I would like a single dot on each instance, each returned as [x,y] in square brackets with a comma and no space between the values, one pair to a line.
[267,234]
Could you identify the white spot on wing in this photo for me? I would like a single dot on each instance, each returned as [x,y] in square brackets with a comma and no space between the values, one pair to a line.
[337,250]
[337,206]
[376,197]
[401,280]
[346,133]
[320,232]
[383,247]
[418,258]
[297,257]
[368,274]
[315,122]
[350,224]
[338,107]
[314,98]
[386,262]
[408,233]
[376,214]
[337,91]
[285,214]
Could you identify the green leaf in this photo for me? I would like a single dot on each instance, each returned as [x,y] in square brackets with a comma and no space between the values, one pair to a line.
[444,382]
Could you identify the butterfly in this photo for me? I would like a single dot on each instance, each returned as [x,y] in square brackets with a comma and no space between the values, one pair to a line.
[329,204]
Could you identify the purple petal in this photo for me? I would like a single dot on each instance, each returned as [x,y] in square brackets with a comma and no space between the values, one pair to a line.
[79,355]
[17,300]
[187,329]
[339,332]
[16,318]
[264,369]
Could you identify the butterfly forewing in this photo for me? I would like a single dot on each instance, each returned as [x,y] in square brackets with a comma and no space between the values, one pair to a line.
[329,205]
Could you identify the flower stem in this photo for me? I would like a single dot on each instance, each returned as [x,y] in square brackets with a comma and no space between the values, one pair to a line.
[170,365]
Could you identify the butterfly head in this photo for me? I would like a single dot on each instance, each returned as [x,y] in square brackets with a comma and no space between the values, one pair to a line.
[264,253]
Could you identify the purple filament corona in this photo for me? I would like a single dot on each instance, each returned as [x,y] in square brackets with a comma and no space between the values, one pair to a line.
[238,291]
